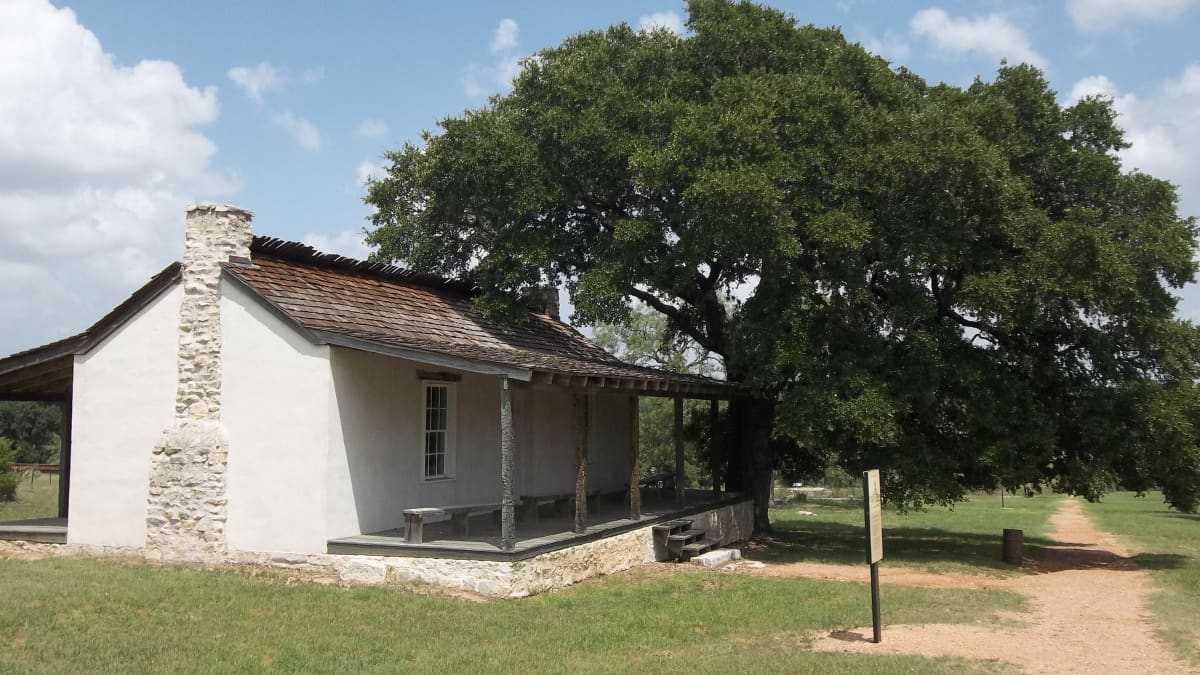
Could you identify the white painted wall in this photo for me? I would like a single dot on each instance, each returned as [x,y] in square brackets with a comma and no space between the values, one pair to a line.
[123,398]
[375,468]
[376,453]
[550,465]
[276,408]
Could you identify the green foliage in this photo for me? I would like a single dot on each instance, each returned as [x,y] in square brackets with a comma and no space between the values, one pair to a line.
[8,478]
[960,286]
[33,429]
[645,340]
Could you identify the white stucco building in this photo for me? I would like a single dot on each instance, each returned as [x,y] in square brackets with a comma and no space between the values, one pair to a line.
[260,401]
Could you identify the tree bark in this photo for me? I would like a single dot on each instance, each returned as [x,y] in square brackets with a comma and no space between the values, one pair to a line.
[750,460]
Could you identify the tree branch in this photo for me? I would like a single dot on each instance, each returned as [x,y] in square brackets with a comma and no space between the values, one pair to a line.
[676,316]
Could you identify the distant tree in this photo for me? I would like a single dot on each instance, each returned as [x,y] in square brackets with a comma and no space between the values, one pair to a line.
[960,286]
[8,478]
[646,340]
[33,428]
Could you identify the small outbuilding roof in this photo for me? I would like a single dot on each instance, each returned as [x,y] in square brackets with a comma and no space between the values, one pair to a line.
[45,373]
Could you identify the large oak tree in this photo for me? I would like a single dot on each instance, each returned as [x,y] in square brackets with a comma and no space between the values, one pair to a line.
[961,286]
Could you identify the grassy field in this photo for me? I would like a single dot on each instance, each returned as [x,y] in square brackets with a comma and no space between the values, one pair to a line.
[78,615]
[1170,542]
[35,499]
[964,538]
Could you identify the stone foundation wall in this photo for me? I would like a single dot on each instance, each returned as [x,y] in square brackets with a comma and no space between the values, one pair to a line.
[542,573]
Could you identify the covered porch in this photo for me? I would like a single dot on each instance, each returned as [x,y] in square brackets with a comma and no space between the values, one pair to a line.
[43,375]
[549,532]
[558,465]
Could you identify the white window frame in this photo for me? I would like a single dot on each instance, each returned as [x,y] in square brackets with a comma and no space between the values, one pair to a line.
[449,433]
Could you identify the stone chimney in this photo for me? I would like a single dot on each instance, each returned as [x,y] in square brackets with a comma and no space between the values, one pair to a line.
[545,299]
[186,506]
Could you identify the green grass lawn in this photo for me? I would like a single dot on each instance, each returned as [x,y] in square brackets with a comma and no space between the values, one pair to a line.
[35,499]
[87,615]
[964,538]
[1170,542]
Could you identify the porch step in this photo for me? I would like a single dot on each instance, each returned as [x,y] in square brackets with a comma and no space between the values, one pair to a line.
[673,527]
[698,548]
[685,537]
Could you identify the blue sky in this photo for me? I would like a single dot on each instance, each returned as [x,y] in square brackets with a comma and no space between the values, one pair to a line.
[114,114]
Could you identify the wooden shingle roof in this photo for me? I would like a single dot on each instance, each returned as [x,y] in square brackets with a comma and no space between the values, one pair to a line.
[350,303]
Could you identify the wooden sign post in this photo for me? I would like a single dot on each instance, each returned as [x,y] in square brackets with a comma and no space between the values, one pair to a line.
[873,513]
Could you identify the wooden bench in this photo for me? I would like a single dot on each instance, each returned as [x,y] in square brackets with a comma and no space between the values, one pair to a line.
[664,480]
[460,519]
[565,501]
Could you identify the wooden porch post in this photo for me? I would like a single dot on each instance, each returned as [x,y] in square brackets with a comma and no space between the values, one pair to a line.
[508,520]
[64,459]
[635,468]
[581,452]
[714,452]
[679,470]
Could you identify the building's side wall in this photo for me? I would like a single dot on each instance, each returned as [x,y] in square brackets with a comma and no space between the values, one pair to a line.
[549,466]
[375,457]
[123,396]
[276,412]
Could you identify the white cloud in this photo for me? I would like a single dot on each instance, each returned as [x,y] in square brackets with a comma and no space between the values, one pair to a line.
[1102,15]
[505,37]
[890,46]
[369,171]
[1162,127]
[483,80]
[372,129]
[668,20]
[254,81]
[301,130]
[992,35]
[96,165]
[348,243]
[480,81]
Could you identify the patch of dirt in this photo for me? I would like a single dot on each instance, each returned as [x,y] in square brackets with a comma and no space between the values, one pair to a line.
[1087,600]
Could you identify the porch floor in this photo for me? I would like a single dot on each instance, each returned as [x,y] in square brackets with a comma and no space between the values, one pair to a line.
[549,533]
[42,530]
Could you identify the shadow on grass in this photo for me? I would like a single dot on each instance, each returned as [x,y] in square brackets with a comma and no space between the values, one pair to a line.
[841,543]
[844,544]
[1185,516]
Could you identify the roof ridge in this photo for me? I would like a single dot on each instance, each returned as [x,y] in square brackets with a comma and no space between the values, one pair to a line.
[299,252]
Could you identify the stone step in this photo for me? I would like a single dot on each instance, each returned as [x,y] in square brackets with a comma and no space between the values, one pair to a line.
[697,548]
[685,537]
[672,526]
[717,557]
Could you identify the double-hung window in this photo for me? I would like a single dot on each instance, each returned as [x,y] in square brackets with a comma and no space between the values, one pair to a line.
[439,430]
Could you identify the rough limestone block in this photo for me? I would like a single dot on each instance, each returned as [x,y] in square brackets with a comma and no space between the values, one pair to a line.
[718,557]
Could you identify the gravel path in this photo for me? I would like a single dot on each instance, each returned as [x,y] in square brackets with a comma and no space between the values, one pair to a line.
[1087,601]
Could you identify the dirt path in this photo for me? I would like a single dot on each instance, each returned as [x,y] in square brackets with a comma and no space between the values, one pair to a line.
[1087,610]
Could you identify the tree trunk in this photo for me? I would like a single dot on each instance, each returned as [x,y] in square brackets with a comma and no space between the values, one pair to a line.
[750,461]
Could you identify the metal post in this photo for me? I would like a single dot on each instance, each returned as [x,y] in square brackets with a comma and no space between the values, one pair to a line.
[508,520]
[876,622]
